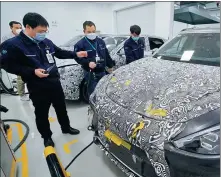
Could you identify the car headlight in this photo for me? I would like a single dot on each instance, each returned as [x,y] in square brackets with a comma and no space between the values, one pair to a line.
[203,142]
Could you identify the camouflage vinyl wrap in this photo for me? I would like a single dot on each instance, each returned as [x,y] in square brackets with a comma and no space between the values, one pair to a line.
[163,95]
[71,78]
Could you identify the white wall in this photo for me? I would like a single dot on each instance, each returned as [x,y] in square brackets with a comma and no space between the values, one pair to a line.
[158,18]
[130,16]
[69,16]
[178,26]
[164,14]
[122,5]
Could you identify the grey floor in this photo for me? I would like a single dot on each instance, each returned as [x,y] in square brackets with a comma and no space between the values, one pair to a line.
[92,163]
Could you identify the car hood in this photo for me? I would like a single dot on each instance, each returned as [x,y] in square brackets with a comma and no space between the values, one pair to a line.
[165,90]
[151,101]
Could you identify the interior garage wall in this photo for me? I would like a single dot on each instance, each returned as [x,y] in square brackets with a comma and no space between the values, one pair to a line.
[178,26]
[145,14]
[68,15]
[142,15]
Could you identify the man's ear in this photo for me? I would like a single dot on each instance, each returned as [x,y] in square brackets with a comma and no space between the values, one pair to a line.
[28,26]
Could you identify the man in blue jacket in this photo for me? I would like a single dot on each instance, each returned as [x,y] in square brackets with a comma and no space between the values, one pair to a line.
[134,46]
[31,56]
[98,60]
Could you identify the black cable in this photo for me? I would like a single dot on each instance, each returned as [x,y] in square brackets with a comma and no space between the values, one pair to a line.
[6,90]
[26,133]
[89,82]
[78,155]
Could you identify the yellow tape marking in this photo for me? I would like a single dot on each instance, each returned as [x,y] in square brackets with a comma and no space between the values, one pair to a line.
[51,119]
[127,83]
[13,168]
[156,112]
[68,174]
[24,157]
[116,139]
[140,127]
[67,146]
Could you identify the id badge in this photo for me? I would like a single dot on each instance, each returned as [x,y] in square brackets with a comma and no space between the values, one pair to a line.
[49,57]
[97,59]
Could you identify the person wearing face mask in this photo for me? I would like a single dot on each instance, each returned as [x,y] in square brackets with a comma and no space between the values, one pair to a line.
[98,60]
[16,28]
[31,55]
[134,46]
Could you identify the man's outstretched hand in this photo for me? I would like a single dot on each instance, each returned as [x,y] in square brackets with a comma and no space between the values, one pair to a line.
[40,73]
[81,54]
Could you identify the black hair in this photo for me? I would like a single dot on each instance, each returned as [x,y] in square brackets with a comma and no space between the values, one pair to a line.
[34,20]
[13,22]
[88,23]
[135,29]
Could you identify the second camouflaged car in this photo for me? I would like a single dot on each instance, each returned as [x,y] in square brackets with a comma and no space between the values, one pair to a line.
[72,77]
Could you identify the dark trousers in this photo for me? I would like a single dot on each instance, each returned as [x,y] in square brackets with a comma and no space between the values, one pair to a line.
[42,101]
[92,79]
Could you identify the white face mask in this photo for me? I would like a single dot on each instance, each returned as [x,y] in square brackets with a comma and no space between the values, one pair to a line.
[18,31]
[91,36]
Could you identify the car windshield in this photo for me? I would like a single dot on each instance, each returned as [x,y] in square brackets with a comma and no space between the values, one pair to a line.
[203,48]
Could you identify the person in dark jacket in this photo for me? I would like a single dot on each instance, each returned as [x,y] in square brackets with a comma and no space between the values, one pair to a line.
[31,56]
[16,28]
[134,46]
[98,60]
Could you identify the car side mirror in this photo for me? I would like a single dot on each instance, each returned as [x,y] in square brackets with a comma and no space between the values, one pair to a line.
[121,53]
[154,50]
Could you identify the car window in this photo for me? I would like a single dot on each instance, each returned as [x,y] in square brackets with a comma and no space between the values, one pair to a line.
[155,43]
[72,42]
[119,40]
[195,47]
[109,41]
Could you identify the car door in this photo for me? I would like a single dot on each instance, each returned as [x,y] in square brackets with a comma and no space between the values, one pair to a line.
[118,55]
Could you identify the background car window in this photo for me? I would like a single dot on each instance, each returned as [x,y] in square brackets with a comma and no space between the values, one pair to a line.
[155,43]
[109,40]
[73,41]
[205,47]
[111,43]
[120,39]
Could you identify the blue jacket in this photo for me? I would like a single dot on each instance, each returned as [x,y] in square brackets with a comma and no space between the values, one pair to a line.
[134,50]
[92,46]
[21,56]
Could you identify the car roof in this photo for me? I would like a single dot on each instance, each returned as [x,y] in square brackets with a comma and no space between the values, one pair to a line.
[201,30]
[143,35]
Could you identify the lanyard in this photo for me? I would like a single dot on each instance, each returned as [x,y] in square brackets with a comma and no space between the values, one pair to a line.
[95,48]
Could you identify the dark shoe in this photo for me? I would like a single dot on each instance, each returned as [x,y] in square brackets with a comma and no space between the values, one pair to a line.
[71,131]
[48,142]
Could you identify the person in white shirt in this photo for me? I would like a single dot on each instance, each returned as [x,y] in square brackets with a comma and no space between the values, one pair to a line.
[16,28]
